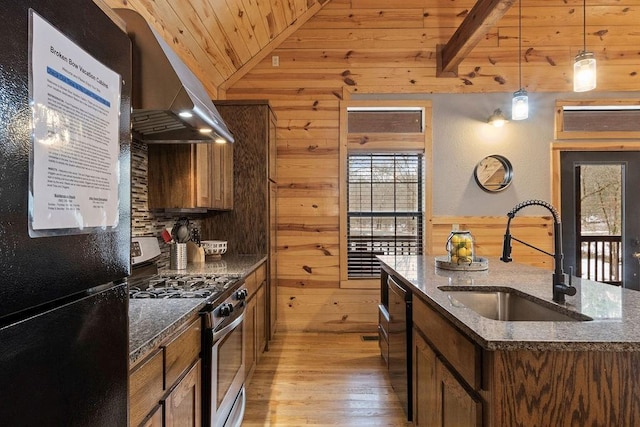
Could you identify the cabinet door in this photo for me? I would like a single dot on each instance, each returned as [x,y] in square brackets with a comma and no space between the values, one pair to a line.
[155,420]
[261,319]
[221,159]
[425,392]
[459,408]
[182,406]
[439,398]
[250,336]
[214,176]
[204,175]
[146,387]
[171,170]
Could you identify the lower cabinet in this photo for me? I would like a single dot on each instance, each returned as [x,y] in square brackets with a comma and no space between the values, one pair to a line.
[165,387]
[182,405]
[255,325]
[446,373]
[440,399]
[155,419]
[457,383]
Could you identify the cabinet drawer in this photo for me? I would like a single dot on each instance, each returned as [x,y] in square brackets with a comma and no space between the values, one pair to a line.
[182,351]
[458,350]
[146,388]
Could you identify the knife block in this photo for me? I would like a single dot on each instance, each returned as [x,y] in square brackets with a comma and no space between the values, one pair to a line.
[195,253]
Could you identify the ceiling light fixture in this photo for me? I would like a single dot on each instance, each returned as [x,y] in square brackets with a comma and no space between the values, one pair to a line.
[520,101]
[584,66]
[497,119]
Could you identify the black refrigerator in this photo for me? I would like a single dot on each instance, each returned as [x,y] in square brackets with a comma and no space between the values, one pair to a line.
[65,221]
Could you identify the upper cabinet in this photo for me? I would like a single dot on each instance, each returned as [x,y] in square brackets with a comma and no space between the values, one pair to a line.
[246,227]
[191,176]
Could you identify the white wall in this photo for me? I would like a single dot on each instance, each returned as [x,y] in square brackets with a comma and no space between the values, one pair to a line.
[462,137]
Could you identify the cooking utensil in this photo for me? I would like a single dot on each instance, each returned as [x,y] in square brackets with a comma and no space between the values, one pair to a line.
[182,234]
[180,231]
[166,236]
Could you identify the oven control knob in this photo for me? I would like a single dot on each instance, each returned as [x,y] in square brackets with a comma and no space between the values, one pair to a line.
[226,310]
[242,294]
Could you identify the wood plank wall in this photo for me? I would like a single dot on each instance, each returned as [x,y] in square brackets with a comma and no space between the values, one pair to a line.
[354,46]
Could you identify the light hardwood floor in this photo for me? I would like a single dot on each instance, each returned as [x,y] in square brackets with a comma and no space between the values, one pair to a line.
[322,380]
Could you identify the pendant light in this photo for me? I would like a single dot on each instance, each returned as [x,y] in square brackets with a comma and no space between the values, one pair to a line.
[584,66]
[520,101]
[497,119]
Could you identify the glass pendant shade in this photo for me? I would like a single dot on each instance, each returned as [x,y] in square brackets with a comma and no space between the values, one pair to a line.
[520,105]
[584,72]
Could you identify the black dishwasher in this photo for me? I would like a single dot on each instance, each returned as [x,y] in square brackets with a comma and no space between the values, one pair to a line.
[400,325]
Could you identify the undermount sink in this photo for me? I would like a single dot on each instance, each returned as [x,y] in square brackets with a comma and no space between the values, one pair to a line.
[510,305]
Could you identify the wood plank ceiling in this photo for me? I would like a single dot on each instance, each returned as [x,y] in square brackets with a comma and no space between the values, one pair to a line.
[221,39]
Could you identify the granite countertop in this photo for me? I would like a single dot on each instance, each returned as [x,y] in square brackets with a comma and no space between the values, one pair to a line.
[228,265]
[152,320]
[615,311]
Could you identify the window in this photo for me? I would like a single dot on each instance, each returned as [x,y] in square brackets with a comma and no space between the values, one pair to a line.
[385,209]
[385,174]
[598,119]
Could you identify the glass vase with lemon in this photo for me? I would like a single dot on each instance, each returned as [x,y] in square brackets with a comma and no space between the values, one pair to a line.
[460,247]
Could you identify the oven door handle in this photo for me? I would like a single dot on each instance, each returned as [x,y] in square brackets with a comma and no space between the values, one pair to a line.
[219,334]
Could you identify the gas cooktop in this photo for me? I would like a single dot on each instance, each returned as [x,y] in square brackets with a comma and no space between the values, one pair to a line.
[181,286]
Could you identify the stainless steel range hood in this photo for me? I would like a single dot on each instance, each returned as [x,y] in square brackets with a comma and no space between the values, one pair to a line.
[170,105]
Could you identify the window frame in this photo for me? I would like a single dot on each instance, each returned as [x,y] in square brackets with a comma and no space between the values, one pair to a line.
[414,142]
[593,104]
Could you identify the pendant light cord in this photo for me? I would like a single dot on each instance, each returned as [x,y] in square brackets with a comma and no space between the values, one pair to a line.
[584,25]
[520,43]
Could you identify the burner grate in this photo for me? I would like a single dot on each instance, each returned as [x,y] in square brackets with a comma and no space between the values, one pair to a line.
[181,286]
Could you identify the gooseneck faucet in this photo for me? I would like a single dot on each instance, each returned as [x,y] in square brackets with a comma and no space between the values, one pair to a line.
[560,288]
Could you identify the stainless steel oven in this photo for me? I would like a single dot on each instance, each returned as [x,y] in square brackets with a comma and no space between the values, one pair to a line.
[223,361]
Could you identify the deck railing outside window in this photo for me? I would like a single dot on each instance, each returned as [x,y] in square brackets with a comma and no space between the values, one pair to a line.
[601,258]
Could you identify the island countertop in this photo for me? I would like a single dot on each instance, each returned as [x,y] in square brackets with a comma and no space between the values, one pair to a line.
[615,311]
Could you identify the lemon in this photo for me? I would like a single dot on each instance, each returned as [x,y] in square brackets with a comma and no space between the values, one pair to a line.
[467,242]
[454,258]
[462,252]
[455,240]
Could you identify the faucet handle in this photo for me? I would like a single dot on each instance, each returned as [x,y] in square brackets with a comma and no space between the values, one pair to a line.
[570,276]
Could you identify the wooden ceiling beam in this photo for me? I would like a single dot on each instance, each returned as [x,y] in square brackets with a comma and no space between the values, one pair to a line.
[483,16]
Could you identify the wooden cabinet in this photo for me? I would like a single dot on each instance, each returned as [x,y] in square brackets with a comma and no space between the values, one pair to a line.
[439,398]
[255,326]
[457,383]
[190,176]
[253,124]
[182,405]
[155,419]
[165,387]
[261,318]
[446,373]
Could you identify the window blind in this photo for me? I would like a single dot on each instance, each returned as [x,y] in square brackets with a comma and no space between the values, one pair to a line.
[385,209]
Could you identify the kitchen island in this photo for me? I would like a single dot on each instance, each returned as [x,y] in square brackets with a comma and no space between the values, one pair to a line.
[472,370]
